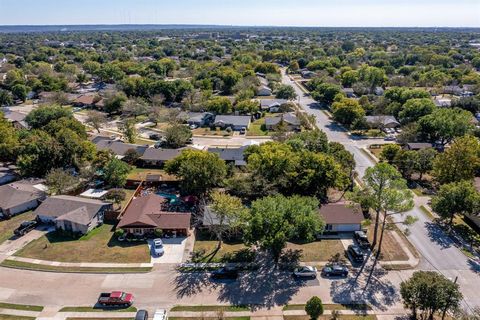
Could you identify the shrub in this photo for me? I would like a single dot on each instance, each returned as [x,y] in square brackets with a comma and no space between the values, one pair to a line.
[314,307]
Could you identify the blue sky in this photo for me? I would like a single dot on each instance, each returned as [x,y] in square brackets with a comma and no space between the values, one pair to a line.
[399,13]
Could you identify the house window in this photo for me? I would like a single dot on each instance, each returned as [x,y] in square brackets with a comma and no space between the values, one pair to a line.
[328,227]
[138,231]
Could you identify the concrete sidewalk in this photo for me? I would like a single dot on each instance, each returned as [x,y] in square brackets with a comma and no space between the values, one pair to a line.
[81,264]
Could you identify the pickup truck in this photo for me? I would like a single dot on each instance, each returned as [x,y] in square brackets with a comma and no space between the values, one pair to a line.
[116,298]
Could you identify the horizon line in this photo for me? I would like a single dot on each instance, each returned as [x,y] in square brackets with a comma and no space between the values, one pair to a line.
[233,26]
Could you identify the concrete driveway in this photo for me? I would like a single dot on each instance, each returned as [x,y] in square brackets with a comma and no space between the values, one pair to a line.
[174,250]
[11,246]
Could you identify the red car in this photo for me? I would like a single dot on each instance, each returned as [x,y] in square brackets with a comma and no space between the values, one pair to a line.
[116,298]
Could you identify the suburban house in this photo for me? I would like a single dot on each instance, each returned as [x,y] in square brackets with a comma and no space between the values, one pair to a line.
[272,105]
[339,217]
[17,119]
[119,148]
[382,121]
[289,119]
[230,155]
[264,91]
[21,196]
[307,74]
[418,146]
[146,214]
[349,92]
[200,119]
[86,100]
[237,123]
[75,214]
[158,157]
[443,102]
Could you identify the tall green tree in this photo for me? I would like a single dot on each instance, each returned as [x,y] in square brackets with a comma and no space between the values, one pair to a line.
[115,173]
[347,111]
[199,171]
[428,292]
[386,193]
[456,198]
[177,136]
[459,162]
[314,307]
[444,125]
[60,181]
[127,128]
[227,213]
[42,116]
[276,219]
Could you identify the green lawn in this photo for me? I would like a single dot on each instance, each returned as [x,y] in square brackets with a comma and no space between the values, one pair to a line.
[318,250]
[92,309]
[48,268]
[7,226]
[4,305]
[99,245]
[324,317]
[203,308]
[8,317]
[208,251]
[330,306]
[141,174]
[257,128]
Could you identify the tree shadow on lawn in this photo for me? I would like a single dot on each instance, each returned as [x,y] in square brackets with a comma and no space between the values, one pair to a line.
[379,293]
[438,236]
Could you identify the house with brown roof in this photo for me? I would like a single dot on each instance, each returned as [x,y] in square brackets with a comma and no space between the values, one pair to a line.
[146,214]
[340,218]
[86,100]
[75,214]
[21,196]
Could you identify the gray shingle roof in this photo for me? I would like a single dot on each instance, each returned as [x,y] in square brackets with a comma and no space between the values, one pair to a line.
[71,208]
[20,192]
[233,120]
[152,154]
[118,147]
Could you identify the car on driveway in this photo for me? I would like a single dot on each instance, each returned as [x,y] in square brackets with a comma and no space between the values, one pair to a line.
[225,273]
[361,239]
[335,270]
[157,247]
[355,254]
[25,227]
[305,272]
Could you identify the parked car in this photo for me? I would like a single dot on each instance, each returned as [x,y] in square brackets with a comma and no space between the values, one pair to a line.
[141,315]
[25,227]
[355,253]
[225,273]
[160,314]
[362,239]
[116,298]
[305,272]
[155,136]
[335,270]
[243,131]
[157,247]
[389,138]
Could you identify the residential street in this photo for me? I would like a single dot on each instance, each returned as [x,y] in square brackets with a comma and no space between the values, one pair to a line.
[437,250]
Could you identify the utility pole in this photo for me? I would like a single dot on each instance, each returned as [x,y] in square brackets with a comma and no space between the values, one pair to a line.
[448,303]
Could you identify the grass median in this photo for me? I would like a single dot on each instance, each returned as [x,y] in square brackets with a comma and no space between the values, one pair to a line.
[10,317]
[332,306]
[48,268]
[205,308]
[93,309]
[26,307]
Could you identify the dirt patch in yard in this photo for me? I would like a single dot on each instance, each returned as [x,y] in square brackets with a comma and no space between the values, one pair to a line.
[100,245]
[318,250]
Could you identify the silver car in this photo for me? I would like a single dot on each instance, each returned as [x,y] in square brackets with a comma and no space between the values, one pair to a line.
[305,272]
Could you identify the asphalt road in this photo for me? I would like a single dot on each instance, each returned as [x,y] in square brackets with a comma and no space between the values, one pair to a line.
[436,248]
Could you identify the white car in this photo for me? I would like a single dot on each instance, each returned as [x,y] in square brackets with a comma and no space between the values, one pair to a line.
[305,272]
[160,314]
[157,247]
